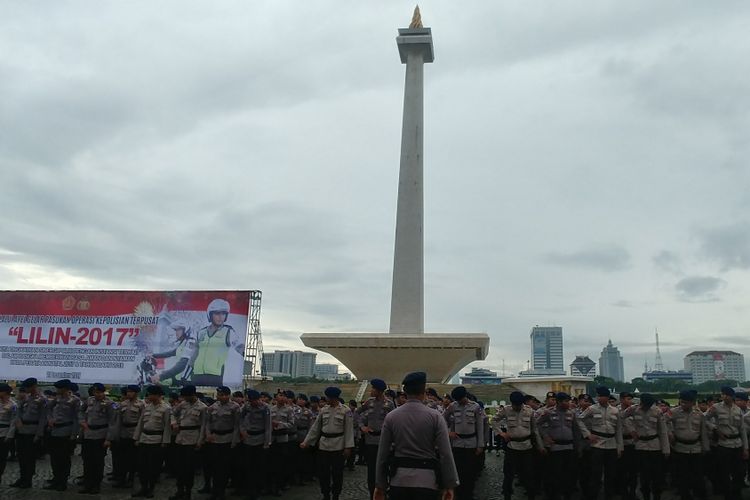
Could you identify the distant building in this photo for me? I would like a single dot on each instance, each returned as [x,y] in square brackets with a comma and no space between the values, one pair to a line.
[610,363]
[481,376]
[715,365]
[546,352]
[326,371]
[289,363]
[583,366]
[654,375]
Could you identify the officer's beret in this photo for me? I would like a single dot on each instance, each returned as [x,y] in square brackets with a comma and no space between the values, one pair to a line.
[73,387]
[432,392]
[687,395]
[188,390]
[378,384]
[415,378]
[647,399]
[550,394]
[62,384]
[314,399]
[5,388]
[155,390]
[390,393]
[265,394]
[301,396]
[583,397]
[289,394]
[97,387]
[742,396]
[602,391]
[727,391]
[252,394]
[132,388]
[458,392]
[29,382]
[516,397]
[222,389]
[471,397]
[332,392]
[237,394]
[625,394]
[562,396]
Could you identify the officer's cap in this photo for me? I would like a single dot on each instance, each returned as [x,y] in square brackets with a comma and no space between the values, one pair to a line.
[432,392]
[332,392]
[29,382]
[237,394]
[585,397]
[516,397]
[626,394]
[132,388]
[222,389]
[314,399]
[301,396]
[390,393]
[603,391]
[252,395]
[562,396]
[727,391]
[265,394]
[97,387]
[647,399]
[687,395]
[5,388]
[155,390]
[742,396]
[551,394]
[458,392]
[378,384]
[289,394]
[188,390]
[415,379]
[62,384]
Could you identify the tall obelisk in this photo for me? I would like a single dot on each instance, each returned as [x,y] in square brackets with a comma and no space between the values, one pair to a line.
[407,295]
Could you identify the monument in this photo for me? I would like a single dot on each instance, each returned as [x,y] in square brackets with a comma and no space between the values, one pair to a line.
[407,347]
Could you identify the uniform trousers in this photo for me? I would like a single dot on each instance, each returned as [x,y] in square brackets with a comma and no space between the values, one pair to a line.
[731,470]
[330,471]
[467,467]
[4,448]
[584,468]
[688,469]
[521,463]
[308,463]
[627,471]
[150,460]
[371,456]
[562,467]
[237,470]
[402,493]
[650,472]
[256,458]
[124,459]
[603,462]
[279,465]
[60,449]
[93,453]
[26,450]
[187,458]
[220,457]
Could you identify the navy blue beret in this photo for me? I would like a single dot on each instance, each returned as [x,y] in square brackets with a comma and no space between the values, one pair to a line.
[458,393]
[332,392]
[252,394]
[516,397]
[222,389]
[378,384]
[602,391]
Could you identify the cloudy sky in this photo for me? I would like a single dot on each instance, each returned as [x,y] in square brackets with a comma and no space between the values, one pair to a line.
[585,163]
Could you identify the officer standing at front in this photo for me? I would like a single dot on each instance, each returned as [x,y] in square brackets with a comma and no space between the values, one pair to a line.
[256,434]
[28,430]
[422,466]
[282,422]
[689,436]
[466,430]
[222,436]
[152,434]
[333,432]
[62,420]
[98,425]
[188,421]
[371,417]
[128,413]
[725,421]
[8,410]
[604,423]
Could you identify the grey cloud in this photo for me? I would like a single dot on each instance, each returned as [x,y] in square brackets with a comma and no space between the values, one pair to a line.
[699,288]
[727,245]
[731,340]
[623,303]
[668,261]
[612,258]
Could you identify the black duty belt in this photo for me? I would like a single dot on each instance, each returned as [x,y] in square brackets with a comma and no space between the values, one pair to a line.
[687,441]
[648,438]
[374,433]
[30,422]
[415,463]
[281,432]
[256,433]
[733,436]
[152,433]
[63,424]
[222,432]
[331,434]
[91,427]
[190,427]
[563,442]
[520,439]
[467,436]
[603,434]
[127,425]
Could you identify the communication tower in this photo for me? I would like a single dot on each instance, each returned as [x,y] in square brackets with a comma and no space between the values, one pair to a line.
[254,342]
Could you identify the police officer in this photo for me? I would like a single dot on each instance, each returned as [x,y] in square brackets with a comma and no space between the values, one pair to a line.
[8,412]
[98,425]
[222,436]
[333,432]
[188,421]
[604,423]
[152,434]
[422,465]
[62,420]
[688,434]
[214,344]
[371,417]
[28,430]
[256,434]
[465,426]
[128,413]
[303,419]
[185,350]
[651,444]
[627,467]
[725,421]
[282,422]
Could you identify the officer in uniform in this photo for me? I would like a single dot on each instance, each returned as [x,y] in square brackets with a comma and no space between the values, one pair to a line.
[304,418]
[62,420]
[222,436]
[688,434]
[516,425]
[603,421]
[561,430]
[128,413]
[333,432]
[466,431]
[184,351]
[28,430]
[725,421]
[152,434]
[256,434]
[282,422]
[188,421]
[8,412]
[651,444]
[237,467]
[98,425]
[214,343]
[371,417]
[415,446]
[627,467]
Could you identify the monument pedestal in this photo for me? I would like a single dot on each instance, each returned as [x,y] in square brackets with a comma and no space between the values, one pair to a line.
[390,356]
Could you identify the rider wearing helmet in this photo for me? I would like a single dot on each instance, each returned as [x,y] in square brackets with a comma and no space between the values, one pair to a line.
[214,343]
[185,350]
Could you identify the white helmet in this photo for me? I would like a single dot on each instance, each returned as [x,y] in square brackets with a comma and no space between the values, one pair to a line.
[217,305]
[180,323]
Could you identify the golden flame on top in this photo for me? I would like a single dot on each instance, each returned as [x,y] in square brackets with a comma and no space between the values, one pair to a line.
[416,19]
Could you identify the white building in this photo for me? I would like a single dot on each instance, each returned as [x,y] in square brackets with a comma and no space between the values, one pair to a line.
[326,371]
[583,366]
[290,363]
[715,365]
[610,363]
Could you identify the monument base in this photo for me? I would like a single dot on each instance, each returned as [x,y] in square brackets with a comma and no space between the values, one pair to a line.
[390,356]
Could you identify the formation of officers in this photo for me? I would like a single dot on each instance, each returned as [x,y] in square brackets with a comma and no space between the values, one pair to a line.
[415,444]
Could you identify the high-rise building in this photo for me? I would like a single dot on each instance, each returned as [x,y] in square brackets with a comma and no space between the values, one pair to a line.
[583,366]
[546,352]
[610,363]
[715,365]
[289,363]
[326,371]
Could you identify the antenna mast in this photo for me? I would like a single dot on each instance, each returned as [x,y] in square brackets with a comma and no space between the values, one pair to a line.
[658,364]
